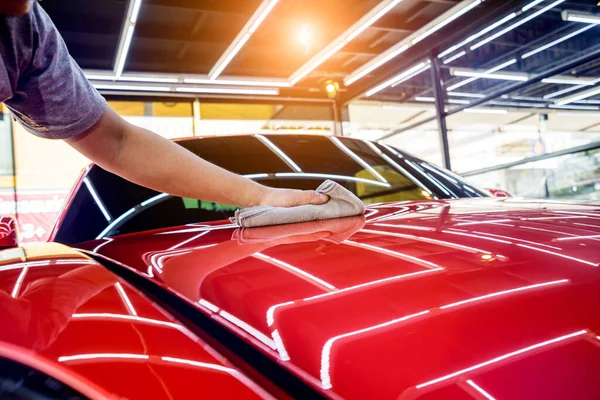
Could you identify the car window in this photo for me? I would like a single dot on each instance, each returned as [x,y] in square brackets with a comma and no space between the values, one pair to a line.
[107,205]
[18,381]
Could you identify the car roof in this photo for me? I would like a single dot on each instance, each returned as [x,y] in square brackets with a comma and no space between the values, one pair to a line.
[424,297]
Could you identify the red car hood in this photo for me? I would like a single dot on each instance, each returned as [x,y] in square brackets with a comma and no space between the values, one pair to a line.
[65,315]
[430,299]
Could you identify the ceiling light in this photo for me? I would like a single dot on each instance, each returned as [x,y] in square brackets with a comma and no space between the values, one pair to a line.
[135,11]
[574,16]
[367,20]
[578,114]
[182,89]
[446,21]
[531,5]
[457,101]
[557,41]
[239,82]
[579,96]
[149,79]
[243,36]
[478,34]
[432,100]
[96,77]
[484,111]
[491,70]
[142,88]
[426,99]
[488,75]
[563,91]
[396,79]
[455,57]
[124,50]
[461,94]
[574,107]
[517,24]
[410,76]
[571,81]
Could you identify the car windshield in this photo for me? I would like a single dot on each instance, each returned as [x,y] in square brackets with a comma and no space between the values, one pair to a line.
[107,205]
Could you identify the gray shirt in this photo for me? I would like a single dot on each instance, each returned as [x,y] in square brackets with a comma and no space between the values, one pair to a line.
[39,81]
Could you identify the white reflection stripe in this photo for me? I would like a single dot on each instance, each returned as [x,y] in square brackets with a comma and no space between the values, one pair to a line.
[551,218]
[329,176]
[517,240]
[418,228]
[130,318]
[93,356]
[43,263]
[560,255]
[125,299]
[19,282]
[376,282]
[428,240]
[283,354]
[297,270]
[446,176]
[480,390]
[405,173]
[578,213]
[503,357]
[200,364]
[326,352]
[115,223]
[496,294]
[96,198]
[271,311]
[356,158]
[154,199]
[106,241]
[392,253]
[279,153]
[249,329]
[493,221]
[435,182]
[256,176]
[187,241]
[478,237]
[208,305]
[578,237]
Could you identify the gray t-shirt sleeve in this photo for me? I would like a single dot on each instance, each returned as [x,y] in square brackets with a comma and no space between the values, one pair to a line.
[51,96]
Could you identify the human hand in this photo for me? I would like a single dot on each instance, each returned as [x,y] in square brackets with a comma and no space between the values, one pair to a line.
[290,197]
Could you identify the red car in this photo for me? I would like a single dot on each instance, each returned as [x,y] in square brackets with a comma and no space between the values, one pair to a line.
[439,292]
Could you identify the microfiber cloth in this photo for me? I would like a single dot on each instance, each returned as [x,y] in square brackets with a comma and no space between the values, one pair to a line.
[341,203]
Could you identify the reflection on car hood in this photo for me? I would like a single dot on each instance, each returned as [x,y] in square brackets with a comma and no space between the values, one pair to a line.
[431,299]
[71,315]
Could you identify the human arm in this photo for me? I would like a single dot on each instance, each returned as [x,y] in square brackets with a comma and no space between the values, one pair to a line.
[150,160]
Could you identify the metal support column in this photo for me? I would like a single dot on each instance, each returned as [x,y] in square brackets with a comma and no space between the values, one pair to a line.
[337,118]
[439,96]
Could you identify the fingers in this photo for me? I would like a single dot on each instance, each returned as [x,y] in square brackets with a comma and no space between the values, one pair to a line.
[316,197]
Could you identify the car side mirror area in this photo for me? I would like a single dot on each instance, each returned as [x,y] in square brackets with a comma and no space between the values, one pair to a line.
[8,233]
[499,193]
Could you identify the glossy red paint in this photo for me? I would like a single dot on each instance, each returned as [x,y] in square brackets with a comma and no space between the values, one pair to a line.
[425,298]
[69,317]
[8,232]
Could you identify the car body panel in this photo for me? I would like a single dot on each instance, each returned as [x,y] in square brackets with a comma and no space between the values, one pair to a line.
[429,299]
[69,315]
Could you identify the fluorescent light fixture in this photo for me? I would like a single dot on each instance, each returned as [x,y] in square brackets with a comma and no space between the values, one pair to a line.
[489,71]
[463,94]
[574,16]
[571,81]
[401,77]
[99,77]
[503,77]
[531,5]
[478,34]
[516,24]
[135,11]
[142,88]
[579,96]
[279,153]
[404,79]
[432,100]
[149,79]
[557,41]
[361,72]
[563,91]
[367,20]
[578,114]
[240,40]
[447,21]
[182,89]
[485,111]
[573,107]
[239,82]
[455,57]
[124,50]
